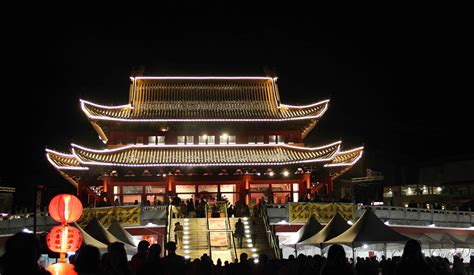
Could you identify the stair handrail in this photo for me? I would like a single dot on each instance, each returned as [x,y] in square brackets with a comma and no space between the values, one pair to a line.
[168,223]
[229,228]
[271,236]
[208,231]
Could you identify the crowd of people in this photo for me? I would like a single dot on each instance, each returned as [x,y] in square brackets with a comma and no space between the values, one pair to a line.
[22,253]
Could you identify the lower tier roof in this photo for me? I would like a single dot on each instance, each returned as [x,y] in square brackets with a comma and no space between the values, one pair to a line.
[210,156]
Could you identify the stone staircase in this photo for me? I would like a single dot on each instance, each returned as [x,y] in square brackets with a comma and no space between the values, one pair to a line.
[196,243]
[261,245]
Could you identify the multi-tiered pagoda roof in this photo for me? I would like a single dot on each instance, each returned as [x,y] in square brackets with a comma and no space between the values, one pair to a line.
[247,103]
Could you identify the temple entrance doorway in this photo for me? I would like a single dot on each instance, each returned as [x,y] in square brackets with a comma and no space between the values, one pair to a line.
[209,192]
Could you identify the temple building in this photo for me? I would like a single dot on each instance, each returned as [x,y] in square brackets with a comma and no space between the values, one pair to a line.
[203,137]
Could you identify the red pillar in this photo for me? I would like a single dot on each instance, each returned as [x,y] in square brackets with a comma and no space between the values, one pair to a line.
[330,185]
[108,188]
[247,189]
[307,184]
[170,188]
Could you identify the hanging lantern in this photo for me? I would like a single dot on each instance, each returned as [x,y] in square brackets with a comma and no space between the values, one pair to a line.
[65,208]
[64,239]
[61,269]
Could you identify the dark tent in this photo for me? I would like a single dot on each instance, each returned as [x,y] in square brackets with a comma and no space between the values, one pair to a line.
[311,227]
[98,232]
[88,239]
[447,240]
[120,233]
[336,226]
[368,230]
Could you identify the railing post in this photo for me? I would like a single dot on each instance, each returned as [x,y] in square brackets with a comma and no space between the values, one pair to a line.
[432,216]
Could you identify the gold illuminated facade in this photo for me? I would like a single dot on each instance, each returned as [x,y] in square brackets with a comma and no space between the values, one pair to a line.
[203,137]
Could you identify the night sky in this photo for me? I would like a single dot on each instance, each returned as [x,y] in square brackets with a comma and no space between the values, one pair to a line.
[393,78]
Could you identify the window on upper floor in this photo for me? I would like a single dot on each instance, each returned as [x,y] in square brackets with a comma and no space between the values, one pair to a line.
[131,140]
[223,139]
[272,139]
[205,139]
[189,140]
[226,139]
[181,140]
[252,140]
[161,140]
[139,140]
[280,139]
[260,140]
[151,140]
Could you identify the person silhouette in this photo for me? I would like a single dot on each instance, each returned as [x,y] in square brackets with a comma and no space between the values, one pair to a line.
[21,255]
[412,261]
[173,263]
[336,262]
[239,232]
[178,234]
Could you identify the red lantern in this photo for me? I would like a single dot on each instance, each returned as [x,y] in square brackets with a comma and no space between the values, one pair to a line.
[61,269]
[63,239]
[65,208]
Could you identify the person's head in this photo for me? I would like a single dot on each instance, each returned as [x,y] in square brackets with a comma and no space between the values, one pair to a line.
[336,254]
[143,246]
[171,246]
[239,220]
[117,256]
[412,251]
[87,259]
[243,257]
[21,253]
[154,252]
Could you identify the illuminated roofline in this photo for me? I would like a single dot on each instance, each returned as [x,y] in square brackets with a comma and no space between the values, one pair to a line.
[63,155]
[123,148]
[330,158]
[351,150]
[103,106]
[90,116]
[305,106]
[202,77]
[344,163]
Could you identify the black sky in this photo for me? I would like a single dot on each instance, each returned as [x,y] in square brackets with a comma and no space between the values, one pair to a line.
[393,75]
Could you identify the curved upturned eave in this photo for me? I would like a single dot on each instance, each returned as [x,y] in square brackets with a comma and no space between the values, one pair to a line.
[343,161]
[98,114]
[65,163]
[159,156]
[122,113]
[62,161]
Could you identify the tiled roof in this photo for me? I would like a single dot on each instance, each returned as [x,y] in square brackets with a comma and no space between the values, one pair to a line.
[338,162]
[205,155]
[343,161]
[63,161]
[204,99]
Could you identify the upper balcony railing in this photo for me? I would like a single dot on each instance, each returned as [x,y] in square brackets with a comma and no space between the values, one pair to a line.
[395,215]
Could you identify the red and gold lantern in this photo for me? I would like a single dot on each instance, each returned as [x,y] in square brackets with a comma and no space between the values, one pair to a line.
[62,269]
[64,238]
[65,208]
